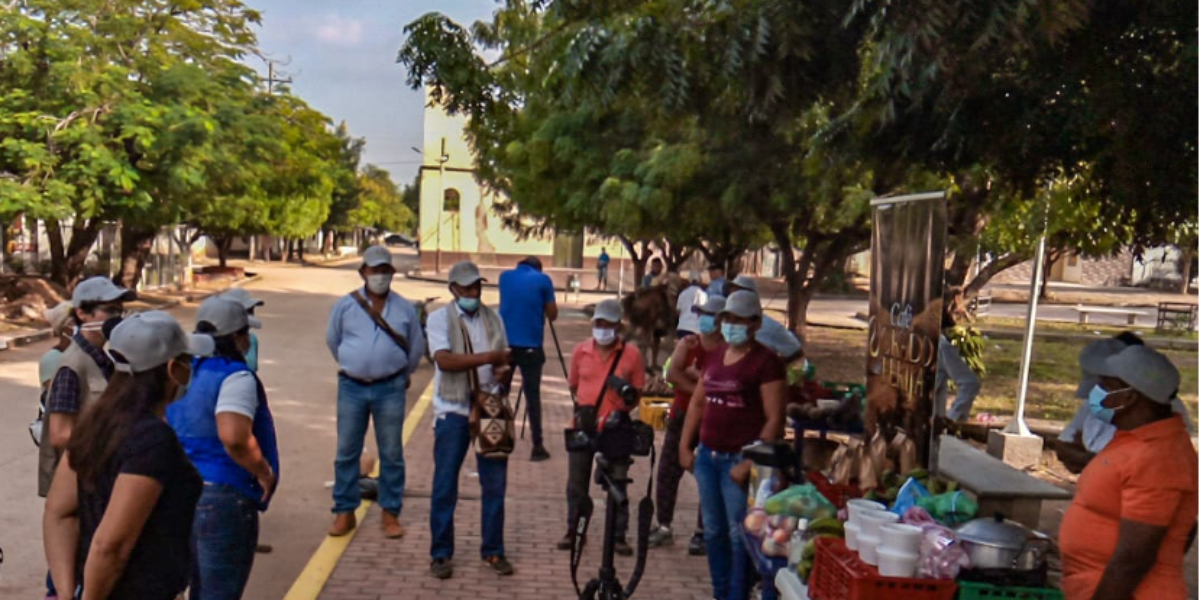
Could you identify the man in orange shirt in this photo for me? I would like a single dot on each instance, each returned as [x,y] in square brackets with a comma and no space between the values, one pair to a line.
[1134,513]
[592,362]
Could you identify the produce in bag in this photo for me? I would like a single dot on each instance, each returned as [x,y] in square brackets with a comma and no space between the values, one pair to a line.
[942,557]
[909,494]
[756,521]
[953,508]
[802,502]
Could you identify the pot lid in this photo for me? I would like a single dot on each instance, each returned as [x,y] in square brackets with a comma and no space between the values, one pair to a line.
[994,532]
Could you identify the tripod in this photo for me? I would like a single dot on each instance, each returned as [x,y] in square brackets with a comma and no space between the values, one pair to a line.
[607,586]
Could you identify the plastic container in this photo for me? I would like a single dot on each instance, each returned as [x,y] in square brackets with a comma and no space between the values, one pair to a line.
[855,508]
[868,549]
[969,590]
[852,533]
[900,537]
[839,575]
[872,520]
[895,563]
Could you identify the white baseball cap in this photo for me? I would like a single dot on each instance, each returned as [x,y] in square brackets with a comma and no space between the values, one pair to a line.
[150,339]
[712,306]
[100,289]
[744,304]
[608,310]
[243,297]
[1146,370]
[465,274]
[376,256]
[227,316]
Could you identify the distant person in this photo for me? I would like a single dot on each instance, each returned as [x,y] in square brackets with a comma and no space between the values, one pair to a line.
[716,281]
[691,297]
[1134,513]
[602,270]
[592,363]
[952,367]
[471,352]
[772,333]
[654,277]
[59,319]
[249,303]
[227,431]
[376,339]
[526,303]
[1086,435]
[119,515]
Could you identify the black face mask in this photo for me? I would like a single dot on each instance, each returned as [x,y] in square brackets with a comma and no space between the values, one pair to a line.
[110,325]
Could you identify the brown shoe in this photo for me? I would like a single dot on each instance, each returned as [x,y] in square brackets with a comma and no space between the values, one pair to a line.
[391,526]
[343,524]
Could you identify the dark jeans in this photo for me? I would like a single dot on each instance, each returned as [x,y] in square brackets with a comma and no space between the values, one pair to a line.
[602,277]
[670,474]
[224,536]
[579,481]
[451,440]
[530,361]
[383,403]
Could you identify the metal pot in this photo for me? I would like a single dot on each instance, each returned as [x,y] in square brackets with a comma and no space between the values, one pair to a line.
[999,544]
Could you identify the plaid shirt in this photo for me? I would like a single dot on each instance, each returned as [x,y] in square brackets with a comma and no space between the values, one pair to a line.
[64,391]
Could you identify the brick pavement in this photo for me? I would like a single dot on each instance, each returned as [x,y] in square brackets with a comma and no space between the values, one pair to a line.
[376,568]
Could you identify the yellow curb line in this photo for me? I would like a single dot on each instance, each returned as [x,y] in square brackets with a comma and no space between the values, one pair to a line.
[312,579]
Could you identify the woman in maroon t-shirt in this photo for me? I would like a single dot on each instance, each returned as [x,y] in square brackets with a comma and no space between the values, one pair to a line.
[739,400]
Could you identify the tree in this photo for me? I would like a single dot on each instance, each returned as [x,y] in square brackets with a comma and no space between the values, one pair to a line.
[381,206]
[346,187]
[412,197]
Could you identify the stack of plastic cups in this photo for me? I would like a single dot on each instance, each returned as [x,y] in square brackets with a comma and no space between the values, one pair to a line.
[869,539]
[899,550]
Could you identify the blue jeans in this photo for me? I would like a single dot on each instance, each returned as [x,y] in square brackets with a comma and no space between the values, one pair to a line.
[722,504]
[952,367]
[451,440]
[224,536]
[383,403]
[531,361]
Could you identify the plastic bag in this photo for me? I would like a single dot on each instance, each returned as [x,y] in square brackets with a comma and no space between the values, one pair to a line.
[942,557]
[953,508]
[917,517]
[802,502]
[909,494]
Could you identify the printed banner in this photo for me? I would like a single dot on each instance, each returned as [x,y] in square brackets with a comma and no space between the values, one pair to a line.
[907,268]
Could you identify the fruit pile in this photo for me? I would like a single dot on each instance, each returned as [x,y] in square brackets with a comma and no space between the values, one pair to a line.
[891,482]
[821,528]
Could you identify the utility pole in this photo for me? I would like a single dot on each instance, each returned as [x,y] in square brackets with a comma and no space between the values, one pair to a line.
[443,158]
[271,81]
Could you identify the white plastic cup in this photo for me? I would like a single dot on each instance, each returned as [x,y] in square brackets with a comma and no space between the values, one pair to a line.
[893,563]
[868,548]
[852,532]
[872,520]
[900,537]
[855,508]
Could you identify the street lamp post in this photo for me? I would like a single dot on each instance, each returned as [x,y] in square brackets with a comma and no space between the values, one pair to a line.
[443,158]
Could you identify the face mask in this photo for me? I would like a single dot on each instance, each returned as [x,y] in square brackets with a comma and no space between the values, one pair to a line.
[1096,407]
[736,335]
[604,337]
[708,324]
[468,304]
[379,284]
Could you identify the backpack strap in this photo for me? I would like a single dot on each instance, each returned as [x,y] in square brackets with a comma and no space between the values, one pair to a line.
[380,322]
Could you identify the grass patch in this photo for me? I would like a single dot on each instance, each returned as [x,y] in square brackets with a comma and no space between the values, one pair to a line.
[840,355]
[1014,324]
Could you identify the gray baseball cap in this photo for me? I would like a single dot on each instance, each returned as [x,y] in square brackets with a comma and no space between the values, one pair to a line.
[248,302]
[745,282]
[465,274]
[100,289]
[1146,370]
[713,306]
[743,304]
[608,310]
[227,316]
[376,256]
[147,340]
[1091,362]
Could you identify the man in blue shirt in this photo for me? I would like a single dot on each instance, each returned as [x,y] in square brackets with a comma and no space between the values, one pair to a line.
[602,270]
[716,280]
[526,301]
[373,375]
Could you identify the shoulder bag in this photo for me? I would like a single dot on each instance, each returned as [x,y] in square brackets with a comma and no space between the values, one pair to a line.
[492,420]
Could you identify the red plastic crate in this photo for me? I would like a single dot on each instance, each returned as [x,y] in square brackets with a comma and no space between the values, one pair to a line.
[838,574]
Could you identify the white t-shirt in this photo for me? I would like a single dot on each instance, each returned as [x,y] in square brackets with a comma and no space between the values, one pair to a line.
[437,331]
[1097,434]
[239,394]
[692,296]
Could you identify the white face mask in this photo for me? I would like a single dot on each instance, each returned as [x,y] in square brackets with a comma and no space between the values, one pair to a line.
[379,284]
[604,337]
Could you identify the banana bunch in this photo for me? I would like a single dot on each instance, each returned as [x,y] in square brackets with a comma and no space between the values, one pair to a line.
[828,527]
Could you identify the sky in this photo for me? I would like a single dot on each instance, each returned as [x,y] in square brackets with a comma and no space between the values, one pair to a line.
[341,57]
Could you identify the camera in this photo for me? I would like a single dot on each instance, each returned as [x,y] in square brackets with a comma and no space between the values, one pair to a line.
[621,436]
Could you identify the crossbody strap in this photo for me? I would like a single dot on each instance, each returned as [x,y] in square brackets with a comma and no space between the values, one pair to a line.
[469,348]
[604,386]
[379,321]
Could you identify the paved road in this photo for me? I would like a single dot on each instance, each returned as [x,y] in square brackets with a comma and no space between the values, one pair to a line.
[299,377]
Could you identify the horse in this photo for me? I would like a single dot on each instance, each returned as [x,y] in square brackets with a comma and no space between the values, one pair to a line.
[651,316]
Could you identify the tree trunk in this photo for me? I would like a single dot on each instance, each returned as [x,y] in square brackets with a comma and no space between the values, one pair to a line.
[989,271]
[223,243]
[135,247]
[58,260]
[639,258]
[1052,257]
[291,250]
[1186,256]
[83,236]
[300,249]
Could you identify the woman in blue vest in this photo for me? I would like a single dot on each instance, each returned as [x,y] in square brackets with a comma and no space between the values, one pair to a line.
[227,431]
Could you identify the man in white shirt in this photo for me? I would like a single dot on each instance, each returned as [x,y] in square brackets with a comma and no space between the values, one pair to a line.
[691,297]
[477,360]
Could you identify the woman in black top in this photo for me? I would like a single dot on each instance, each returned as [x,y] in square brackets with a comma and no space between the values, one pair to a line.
[119,513]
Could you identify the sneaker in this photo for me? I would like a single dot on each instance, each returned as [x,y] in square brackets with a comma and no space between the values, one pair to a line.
[696,545]
[623,548]
[539,454]
[661,536]
[441,568]
[500,565]
[565,543]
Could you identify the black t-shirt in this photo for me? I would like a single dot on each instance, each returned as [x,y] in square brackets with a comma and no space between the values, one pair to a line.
[159,565]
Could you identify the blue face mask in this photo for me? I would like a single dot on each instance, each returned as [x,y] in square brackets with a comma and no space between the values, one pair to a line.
[468,304]
[708,324]
[736,335]
[1095,403]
